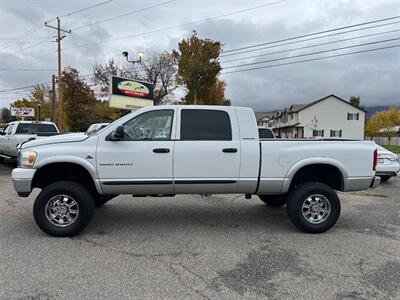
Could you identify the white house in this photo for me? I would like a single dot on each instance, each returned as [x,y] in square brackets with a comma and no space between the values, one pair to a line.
[329,117]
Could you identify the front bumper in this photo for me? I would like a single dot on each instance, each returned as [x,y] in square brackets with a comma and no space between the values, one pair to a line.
[375,182]
[22,179]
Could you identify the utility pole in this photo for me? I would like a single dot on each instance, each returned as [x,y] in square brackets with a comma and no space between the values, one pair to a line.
[53,97]
[59,94]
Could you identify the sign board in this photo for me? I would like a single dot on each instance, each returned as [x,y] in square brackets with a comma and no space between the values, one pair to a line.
[22,111]
[129,93]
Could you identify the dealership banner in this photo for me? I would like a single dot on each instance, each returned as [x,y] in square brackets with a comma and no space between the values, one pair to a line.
[22,111]
[129,93]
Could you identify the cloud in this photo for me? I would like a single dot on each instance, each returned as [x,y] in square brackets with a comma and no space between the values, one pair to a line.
[372,76]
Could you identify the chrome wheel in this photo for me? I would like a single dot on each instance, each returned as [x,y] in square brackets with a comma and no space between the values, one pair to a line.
[316,209]
[62,210]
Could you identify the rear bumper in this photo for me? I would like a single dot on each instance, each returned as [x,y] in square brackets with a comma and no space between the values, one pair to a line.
[22,180]
[361,183]
[375,182]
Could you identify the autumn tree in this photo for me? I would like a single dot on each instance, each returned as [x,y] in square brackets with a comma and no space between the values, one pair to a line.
[79,102]
[39,96]
[383,122]
[158,69]
[198,70]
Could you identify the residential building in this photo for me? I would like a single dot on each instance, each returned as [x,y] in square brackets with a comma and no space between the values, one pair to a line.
[328,117]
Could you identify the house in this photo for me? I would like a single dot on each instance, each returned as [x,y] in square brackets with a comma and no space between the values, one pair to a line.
[263,118]
[328,117]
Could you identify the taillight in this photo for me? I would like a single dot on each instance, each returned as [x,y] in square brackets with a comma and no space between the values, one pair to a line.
[375,160]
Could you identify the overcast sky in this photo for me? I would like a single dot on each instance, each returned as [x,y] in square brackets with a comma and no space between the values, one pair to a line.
[374,76]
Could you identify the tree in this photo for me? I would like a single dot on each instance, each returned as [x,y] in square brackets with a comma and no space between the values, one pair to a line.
[102,74]
[198,70]
[356,101]
[79,102]
[40,95]
[6,115]
[383,122]
[159,69]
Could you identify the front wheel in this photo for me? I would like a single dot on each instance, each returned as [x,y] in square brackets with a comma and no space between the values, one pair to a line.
[63,208]
[313,207]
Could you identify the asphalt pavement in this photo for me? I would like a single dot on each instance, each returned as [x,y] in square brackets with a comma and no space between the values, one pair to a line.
[194,247]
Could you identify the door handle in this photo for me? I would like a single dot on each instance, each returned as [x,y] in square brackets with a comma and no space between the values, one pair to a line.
[229,150]
[161,150]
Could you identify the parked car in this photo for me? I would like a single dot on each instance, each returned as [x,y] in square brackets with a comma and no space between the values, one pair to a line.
[21,131]
[265,133]
[388,164]
[168,150]
[96,127]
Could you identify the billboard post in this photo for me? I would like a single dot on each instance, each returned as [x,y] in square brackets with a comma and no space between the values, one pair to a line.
[130,94]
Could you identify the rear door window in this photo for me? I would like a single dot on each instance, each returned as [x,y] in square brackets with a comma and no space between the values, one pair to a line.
[205,125]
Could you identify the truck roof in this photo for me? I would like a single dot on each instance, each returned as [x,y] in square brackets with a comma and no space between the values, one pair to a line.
[32,122]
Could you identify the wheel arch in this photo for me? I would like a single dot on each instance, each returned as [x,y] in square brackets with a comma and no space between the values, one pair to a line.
[66,168]
[314,168]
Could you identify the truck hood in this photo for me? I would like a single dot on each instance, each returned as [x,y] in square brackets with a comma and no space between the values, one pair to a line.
[62,138]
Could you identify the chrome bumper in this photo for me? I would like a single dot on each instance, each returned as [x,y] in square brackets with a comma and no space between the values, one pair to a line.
[22,180]
[375,182]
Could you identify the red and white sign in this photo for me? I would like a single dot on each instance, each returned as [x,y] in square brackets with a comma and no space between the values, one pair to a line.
[22,111]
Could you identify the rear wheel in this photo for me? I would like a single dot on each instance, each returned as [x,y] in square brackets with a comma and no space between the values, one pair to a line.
[274,200]
[385,178]
[313,207]
[63,208]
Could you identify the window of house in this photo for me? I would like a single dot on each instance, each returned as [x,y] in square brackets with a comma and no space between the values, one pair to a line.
[318,133]
[291,116]
[205,125]
[353,116]
[149,126]
[336,133]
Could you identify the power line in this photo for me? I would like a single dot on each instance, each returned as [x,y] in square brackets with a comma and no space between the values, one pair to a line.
[312,59]
[312,34]
[26,33]
[310,46]
[28,70]
[310,39]
[313,53]
[39,26]
[177,26]
[122,15]
[81,77]
[80,10]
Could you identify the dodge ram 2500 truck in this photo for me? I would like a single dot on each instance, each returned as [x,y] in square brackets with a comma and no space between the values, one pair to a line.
[168,150]
[23,131]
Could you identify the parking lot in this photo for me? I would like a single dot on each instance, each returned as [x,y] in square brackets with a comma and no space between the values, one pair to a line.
[219,247]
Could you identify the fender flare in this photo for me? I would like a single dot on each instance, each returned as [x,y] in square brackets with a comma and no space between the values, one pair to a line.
[313,161]
[74,160]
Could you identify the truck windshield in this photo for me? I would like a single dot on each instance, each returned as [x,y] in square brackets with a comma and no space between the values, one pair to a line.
[33,128]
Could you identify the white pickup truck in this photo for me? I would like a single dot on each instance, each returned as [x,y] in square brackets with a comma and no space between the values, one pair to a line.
[168,150]
[22,131]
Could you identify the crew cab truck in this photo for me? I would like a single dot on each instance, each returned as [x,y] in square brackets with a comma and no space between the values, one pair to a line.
[168,150]
[23,131]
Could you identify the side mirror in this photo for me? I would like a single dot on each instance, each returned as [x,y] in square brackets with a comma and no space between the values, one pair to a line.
[117,134]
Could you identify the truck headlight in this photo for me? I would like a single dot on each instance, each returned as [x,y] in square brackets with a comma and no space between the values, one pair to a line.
[27,159]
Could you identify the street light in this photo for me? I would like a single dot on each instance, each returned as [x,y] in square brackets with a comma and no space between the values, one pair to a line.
[140,57]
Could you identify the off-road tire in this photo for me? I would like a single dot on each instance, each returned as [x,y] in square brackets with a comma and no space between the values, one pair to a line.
[76,191]
[299,194]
